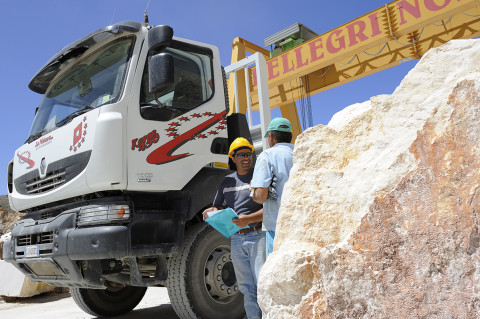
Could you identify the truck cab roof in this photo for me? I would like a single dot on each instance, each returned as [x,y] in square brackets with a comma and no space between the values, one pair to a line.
[47,73]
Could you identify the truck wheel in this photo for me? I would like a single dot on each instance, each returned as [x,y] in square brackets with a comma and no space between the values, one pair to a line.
[112,301]
[201,281]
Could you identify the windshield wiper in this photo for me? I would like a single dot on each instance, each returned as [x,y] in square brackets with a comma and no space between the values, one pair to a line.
[33,137]
[73,115]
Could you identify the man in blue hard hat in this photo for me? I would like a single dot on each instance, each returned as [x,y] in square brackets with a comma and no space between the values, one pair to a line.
[272,170]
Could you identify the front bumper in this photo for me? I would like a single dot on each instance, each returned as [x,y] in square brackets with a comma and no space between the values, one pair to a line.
[59,253]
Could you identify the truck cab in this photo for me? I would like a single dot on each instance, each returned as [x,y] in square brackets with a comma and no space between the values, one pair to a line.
[126,149]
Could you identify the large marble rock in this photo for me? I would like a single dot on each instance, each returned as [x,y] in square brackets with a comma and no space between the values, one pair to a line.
[380,216]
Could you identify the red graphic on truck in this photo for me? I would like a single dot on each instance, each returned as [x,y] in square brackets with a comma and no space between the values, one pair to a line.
[79,135]
[163,154]
[145,141]
[25,158]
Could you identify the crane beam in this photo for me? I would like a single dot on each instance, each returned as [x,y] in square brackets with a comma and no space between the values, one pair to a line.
[395,33]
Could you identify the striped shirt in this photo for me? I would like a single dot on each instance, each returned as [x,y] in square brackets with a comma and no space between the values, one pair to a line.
[234,192]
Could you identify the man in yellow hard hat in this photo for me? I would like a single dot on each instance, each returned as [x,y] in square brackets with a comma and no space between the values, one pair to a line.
[247,245]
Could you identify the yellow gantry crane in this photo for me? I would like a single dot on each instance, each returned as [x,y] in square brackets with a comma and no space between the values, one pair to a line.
[399,31]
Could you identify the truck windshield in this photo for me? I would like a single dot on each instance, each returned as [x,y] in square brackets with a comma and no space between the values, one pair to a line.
[95,80]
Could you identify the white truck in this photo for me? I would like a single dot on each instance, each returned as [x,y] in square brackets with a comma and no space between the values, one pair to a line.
[126,150]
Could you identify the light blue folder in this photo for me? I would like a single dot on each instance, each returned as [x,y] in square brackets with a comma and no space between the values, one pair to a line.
[222,222]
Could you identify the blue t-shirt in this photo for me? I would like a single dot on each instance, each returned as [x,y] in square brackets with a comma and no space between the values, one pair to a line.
[234,192]
[273,162]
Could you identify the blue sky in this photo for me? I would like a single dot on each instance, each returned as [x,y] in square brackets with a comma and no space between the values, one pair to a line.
[33,31]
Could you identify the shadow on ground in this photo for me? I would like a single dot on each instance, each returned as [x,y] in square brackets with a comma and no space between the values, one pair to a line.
[162,311]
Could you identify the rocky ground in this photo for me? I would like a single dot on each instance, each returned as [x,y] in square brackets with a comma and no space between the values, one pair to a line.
[8,217]
[59,304]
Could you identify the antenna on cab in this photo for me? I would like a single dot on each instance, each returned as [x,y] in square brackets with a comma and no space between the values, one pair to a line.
[113,16]
[145,15]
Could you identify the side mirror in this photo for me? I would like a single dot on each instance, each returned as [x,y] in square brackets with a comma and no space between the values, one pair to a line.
[159,37]
[160,73]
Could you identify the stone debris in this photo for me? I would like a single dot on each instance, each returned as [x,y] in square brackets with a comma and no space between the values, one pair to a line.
[380,215]
[14,284]
[8,218]
[3,239]
[12,281]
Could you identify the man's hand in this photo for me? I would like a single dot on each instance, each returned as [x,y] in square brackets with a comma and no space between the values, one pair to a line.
[242,221]
[208,210]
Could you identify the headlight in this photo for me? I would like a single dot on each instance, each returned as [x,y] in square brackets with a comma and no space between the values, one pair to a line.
[102,214]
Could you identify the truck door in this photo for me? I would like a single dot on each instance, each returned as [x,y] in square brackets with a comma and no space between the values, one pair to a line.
[173,135]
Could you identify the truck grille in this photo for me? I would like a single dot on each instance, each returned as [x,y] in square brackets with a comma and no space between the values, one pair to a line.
[52,180]
[34,239]
[49,214]
[58,173]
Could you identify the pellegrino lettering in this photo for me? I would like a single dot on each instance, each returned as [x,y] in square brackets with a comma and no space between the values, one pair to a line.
[343,40]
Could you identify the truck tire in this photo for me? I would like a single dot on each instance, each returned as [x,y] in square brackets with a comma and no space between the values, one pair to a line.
[201,281]
[108,302]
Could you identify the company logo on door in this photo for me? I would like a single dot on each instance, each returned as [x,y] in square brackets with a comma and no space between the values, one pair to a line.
[79,134]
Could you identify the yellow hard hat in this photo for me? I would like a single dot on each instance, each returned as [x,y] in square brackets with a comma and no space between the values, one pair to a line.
[237,143]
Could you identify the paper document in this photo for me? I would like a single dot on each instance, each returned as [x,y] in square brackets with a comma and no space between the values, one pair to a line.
[221,220]
[213,213]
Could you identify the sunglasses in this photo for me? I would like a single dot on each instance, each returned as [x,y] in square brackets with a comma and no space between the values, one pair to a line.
[242,155]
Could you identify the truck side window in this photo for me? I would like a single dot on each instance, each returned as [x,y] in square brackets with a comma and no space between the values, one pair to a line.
[193,85]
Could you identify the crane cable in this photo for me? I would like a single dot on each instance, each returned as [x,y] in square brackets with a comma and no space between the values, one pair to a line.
[305,102]
[472,15]
[309,102]
[443,24]
[301,104]
[413,42]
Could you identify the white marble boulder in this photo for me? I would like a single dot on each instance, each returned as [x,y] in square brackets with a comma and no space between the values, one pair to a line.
[380,218]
